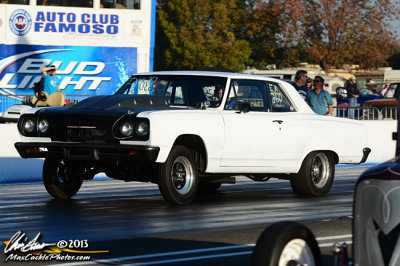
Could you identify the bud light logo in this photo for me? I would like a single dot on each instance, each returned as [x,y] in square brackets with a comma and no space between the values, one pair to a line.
[20,22]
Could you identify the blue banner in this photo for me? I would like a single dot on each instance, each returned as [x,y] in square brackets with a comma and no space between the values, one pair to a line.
[84,70]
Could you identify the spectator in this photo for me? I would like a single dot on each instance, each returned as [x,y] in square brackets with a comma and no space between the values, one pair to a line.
[319,99]
[309,84]
[219,93]
[387,92]
[51,81]
[300,85]
[352,94]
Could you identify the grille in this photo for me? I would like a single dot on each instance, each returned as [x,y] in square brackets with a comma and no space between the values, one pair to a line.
[82,129]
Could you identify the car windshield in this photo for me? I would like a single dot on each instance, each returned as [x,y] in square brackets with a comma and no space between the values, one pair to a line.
[188,91]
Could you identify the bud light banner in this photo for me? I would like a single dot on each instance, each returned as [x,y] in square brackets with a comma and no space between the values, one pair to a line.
[83,70]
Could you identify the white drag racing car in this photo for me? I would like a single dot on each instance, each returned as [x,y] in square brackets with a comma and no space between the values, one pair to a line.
[190,131]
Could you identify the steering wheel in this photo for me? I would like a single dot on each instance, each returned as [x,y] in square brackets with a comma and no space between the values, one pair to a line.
[232,104]
[41,96]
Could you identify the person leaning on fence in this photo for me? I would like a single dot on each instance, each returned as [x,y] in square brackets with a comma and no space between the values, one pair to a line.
[51,81]
[319,99]
[352,94]
[300,85]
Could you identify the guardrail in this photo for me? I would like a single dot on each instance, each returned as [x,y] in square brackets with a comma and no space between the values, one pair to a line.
[360,112]
[366,113]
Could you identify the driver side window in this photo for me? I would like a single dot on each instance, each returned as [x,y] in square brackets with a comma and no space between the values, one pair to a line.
[247,91]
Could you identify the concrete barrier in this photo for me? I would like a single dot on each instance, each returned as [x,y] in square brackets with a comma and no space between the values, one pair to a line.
[15,169]
[12,167]
[380,140]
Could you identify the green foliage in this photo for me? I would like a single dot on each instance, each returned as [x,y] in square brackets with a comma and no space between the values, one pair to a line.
[199,34]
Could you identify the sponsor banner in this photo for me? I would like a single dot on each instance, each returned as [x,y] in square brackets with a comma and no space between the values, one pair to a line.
[83,70]
[70,25]
[2,23]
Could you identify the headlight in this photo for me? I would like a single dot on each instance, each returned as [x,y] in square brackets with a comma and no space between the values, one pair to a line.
[126,129]
[29,126]
[43,126]
[142,129]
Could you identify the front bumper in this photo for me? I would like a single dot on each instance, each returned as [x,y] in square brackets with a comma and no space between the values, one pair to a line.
[8,120]
[87,151]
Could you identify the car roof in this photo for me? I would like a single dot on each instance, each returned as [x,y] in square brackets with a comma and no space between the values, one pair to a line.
[211,73]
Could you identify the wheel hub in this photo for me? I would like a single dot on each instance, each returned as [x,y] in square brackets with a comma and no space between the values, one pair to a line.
[320,170]
[179,176]
[296,252]
[182,175]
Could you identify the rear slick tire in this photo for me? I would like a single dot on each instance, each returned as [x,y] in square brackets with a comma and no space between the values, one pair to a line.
[286,243]
[316,175]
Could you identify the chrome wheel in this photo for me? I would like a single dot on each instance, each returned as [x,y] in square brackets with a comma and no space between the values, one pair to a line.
[177,180]
[182,175]
[297,252]
[284,244]
[316,174]
[320,170]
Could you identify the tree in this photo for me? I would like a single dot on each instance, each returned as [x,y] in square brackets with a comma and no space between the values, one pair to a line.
[200,33]
[327,32]
[355,31]
[260,29]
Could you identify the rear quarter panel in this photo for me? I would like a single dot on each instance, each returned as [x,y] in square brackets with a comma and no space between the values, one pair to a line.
[345,137]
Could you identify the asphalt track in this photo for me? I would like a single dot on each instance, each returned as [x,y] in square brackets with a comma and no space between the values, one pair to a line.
[134,223]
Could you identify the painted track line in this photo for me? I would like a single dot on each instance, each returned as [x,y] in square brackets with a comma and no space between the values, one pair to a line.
[193,251]
[164,254]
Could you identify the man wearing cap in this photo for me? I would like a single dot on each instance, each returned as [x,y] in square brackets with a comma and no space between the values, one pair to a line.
[51,81]
[352,94]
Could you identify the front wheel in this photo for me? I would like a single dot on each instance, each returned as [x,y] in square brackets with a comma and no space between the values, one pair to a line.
[178,179]
[316,175]
[286,243]
[61,179]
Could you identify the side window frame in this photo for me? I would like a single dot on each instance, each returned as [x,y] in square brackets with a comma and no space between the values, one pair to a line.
[277,87]
[259,84]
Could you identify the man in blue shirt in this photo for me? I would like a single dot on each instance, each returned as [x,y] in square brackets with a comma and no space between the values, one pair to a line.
[319,99]
[51,81]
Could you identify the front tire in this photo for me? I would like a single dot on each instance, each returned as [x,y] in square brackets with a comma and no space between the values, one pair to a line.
[286,243]
[178,178]
[316,175]
[61,179]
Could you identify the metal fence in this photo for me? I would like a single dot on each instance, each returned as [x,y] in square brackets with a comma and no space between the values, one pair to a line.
[366,113]
[358,113]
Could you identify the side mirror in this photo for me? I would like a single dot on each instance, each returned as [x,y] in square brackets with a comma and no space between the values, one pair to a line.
[245,107]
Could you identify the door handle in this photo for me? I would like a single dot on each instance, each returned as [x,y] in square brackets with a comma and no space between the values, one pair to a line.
[278,121]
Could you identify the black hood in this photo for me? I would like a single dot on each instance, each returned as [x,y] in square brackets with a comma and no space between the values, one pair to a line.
[122,101]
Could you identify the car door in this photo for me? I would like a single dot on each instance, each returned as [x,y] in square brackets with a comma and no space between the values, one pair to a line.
[255,138]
